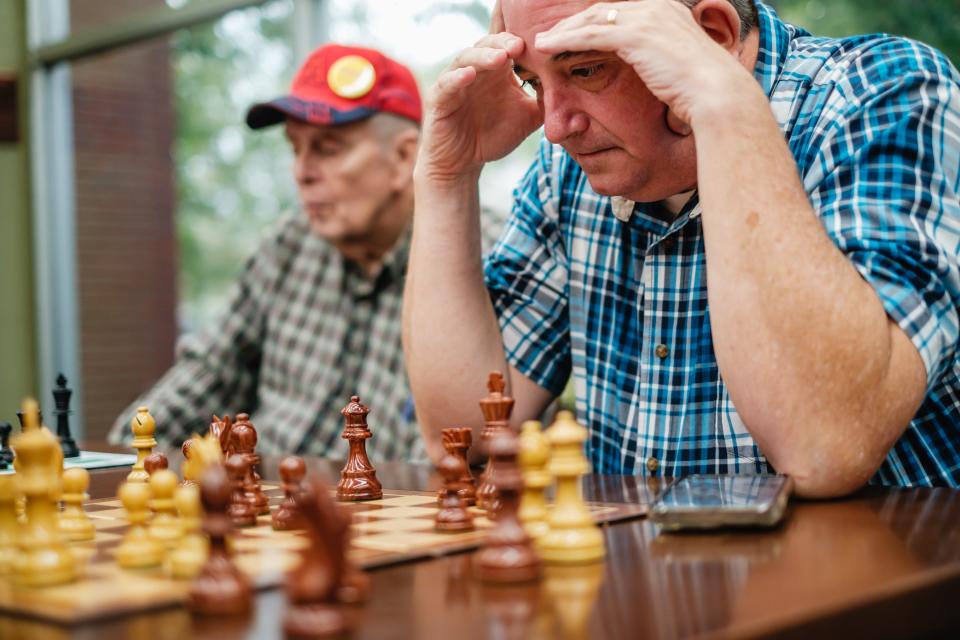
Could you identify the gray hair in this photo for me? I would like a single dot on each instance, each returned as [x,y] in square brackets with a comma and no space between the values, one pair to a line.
[746,9]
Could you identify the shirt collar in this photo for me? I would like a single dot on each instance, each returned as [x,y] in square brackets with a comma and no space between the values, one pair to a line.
[392,268]
[775,38]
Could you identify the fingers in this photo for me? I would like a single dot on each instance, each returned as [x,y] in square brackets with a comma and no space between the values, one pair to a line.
[502,40]
[480,58]
[590,29]
[496,19]
[448,93]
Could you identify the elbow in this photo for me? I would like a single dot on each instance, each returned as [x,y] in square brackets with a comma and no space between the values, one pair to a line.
[823,475]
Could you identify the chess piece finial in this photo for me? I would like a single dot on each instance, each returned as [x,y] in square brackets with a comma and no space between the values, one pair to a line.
[507,554]
[154,462]
[496,409]
[61,399]
[573,537]
[287,517]
[457,440]
[220,588]
[534,456]
[358,479]
[75,524]
[143,426]
[453,514]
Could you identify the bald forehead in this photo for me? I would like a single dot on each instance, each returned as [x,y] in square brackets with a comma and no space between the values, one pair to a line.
[526,18]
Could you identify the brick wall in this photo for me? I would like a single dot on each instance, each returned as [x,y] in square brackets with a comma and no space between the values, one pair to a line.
[126,250]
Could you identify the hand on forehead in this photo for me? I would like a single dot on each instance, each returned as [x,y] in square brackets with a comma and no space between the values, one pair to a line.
[527,18]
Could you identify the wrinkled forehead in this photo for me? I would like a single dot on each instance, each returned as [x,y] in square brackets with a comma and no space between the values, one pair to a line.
[527,18]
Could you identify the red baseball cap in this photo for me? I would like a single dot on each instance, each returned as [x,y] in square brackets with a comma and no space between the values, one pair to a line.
[339,84]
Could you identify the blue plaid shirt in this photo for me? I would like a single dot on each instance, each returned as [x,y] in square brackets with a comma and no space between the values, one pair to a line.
[614,295]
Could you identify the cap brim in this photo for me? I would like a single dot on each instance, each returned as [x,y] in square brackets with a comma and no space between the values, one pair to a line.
[270,113]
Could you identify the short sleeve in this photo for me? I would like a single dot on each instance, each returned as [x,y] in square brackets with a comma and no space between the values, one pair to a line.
[884,181]
[526,276]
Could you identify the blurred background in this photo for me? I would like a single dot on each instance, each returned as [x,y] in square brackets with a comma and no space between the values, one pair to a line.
[132,193]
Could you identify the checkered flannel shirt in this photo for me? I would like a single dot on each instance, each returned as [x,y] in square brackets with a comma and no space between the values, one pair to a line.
[303,331]
[605,289]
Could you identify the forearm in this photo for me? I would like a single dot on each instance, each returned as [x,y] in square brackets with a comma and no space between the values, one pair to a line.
[450,333]
[814,366]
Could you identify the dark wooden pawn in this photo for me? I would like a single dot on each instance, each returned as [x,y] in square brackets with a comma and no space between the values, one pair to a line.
[457,440]
[155,461]
[243,441]
[358,478]
[241,512]
[496,408]
[220,588]
[61,400]
[507,554]
[311,587]
[6,453]
[287,516]
[453,514]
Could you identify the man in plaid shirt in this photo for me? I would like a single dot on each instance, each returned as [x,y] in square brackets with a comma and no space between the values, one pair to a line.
[740,240]
[315,317]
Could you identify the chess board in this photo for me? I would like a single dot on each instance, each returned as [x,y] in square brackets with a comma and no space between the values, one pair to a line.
[93,460]
[397,528]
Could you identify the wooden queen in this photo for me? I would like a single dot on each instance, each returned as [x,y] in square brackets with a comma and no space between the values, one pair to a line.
[358,480]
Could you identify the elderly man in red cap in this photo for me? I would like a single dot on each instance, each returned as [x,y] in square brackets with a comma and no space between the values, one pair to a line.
[315,317]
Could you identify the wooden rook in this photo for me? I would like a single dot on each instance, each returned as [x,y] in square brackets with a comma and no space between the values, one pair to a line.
[358,479]
[312,585]
[143,426]
[496,409]
[287,516]
[220,588]
[61,400]
[507,554]
[457,440]
[155,462]
[243,441]
[453,514]
[242,513]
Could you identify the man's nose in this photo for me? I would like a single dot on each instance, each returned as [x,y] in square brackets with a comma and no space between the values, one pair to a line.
[561,116]
[305,169]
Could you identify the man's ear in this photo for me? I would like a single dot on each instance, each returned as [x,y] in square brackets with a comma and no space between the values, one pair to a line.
[719,20]
[403,155]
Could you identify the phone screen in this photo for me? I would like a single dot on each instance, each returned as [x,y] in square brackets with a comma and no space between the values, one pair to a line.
[736,493]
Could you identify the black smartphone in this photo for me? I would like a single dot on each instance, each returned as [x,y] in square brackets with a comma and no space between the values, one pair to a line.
[710,502]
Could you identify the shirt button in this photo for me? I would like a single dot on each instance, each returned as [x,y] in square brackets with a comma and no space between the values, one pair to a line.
[661,351]
[652,464]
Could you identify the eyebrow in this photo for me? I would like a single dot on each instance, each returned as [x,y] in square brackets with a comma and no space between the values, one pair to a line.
[558,57]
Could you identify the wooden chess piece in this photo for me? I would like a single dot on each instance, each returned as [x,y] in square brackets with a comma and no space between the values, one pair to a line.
[241,511]
[155,461]
[199,454]
[507,554]
[220,429]
[453,514]
[312,585]
[143,426]
[286,517]
[61,399]
[6,453]
[358,479]
[191,553]
[43,558]
[220,588]
[573,537]
[496,408]
[457,440]
[9,527]
[164,527]
[243,441]
[138,550]
[185,452]
[75,524]
[534,456]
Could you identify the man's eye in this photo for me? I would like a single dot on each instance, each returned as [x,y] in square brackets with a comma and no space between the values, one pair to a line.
[531,86]
[588,71]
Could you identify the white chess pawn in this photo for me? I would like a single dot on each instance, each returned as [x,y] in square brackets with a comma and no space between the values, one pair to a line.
[164,527]
[75,524]
[193,549]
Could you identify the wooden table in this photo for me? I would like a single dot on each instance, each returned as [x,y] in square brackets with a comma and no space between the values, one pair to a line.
[885,563]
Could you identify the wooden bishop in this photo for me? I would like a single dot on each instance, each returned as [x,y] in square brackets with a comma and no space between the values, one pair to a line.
[143,426]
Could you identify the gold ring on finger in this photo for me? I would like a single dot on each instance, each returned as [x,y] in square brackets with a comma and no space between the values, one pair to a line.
[612,16]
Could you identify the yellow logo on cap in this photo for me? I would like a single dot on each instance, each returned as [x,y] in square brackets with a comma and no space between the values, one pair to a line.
[351,77]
